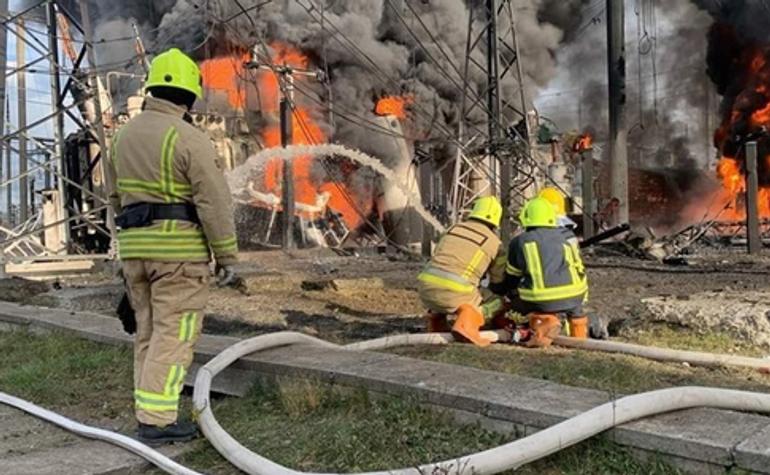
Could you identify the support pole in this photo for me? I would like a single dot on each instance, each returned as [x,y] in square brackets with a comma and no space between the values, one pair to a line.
[616,61]
[8,168]
[3,67]
[58,122]
[287,192]
[95,83]
[752,194]
[495,120]
[21,78]
[427,168]
[588,193]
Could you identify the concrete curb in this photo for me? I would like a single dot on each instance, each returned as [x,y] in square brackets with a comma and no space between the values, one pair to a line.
[699,441]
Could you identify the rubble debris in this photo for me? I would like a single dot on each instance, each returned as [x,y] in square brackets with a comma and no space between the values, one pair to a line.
[739,314]
[610,233]
[671,249]
[344,285]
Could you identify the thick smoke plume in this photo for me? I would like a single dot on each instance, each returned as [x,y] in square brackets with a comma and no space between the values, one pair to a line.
[667,88]
[369,48]
[739,66]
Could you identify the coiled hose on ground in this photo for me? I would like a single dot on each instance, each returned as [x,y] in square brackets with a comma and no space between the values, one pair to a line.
[496,460]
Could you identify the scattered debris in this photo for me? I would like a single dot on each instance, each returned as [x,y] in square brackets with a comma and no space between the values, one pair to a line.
[342,285]
[739,314]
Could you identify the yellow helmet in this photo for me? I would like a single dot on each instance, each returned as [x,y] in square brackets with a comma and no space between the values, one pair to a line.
[487,209]
[173,68]
[538,213]
[556,198]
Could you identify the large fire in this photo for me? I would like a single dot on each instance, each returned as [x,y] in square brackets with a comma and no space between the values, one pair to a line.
[222,74]
[741,71]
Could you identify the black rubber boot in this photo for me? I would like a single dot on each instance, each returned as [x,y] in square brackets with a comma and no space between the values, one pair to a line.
[176,432]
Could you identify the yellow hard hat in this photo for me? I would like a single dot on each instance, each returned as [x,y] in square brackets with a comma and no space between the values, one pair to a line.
[487,209]
[538,213]
[556,198]
[173,68]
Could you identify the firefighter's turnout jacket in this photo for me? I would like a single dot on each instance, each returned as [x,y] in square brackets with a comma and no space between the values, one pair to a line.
[159,158]
[465,253]
[545,265]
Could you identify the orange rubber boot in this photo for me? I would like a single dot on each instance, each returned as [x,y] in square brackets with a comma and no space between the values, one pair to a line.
[469,321]
[545,327]
[437,323]
[578,327]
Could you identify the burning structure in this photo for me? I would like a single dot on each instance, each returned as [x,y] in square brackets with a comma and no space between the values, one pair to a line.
[384,78]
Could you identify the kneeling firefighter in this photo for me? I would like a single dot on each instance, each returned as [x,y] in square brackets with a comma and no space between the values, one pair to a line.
[545,276]
[559,203]
[449,284]
[173,209]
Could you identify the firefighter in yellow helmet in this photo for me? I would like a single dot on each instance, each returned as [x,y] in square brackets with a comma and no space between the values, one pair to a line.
[449,284]
[556,198]
[545,275]
[173,210]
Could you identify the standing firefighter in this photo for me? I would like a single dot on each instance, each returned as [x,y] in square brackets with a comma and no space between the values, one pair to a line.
[450,282]
[173,209]
[546,270]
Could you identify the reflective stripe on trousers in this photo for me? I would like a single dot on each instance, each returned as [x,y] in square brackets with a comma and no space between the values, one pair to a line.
[445,279]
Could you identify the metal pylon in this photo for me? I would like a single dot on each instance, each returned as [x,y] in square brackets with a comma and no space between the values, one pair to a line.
[49,35]
[485,165]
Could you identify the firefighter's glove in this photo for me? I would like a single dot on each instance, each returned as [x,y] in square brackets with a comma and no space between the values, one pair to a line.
[228,277]
[126,315]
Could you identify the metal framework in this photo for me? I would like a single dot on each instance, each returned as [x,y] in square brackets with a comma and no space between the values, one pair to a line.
[72,203]
[491,35]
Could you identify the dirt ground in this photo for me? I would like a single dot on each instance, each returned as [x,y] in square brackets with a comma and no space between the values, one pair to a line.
[376,292]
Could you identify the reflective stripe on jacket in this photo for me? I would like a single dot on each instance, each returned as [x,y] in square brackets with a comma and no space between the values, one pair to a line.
[548,264]
[462,257]
[157,157]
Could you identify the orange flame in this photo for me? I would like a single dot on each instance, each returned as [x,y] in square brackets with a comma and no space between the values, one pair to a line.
[393,105]
[222,74]
[734,192]
[584,143]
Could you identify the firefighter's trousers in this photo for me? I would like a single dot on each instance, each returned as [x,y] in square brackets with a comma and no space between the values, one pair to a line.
[441,300]
[169,299]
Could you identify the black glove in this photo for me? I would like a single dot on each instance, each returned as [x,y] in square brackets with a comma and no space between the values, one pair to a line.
[126,315]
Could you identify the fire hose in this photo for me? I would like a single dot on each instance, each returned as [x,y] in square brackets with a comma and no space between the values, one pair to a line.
[505,457]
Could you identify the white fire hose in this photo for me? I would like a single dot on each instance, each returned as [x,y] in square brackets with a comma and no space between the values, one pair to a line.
[492,461]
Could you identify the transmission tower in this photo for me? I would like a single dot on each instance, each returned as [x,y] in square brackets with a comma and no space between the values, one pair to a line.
[485,162]
[53,203]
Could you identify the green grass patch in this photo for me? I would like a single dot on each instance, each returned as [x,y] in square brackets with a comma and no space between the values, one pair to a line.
[617,374]
[315,427]
[665,336]
[301,424]
[64,371]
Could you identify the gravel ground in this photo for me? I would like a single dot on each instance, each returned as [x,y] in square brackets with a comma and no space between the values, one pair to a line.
[283,293]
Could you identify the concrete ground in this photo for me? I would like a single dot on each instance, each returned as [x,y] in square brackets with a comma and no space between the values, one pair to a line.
[29,446]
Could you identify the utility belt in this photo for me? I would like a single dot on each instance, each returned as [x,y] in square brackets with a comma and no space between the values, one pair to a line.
[141,215]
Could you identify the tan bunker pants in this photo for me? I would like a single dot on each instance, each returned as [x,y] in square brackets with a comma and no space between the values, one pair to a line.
[168,299]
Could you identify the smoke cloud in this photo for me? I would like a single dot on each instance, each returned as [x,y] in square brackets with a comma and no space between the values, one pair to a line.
[369,49]
[667,91]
